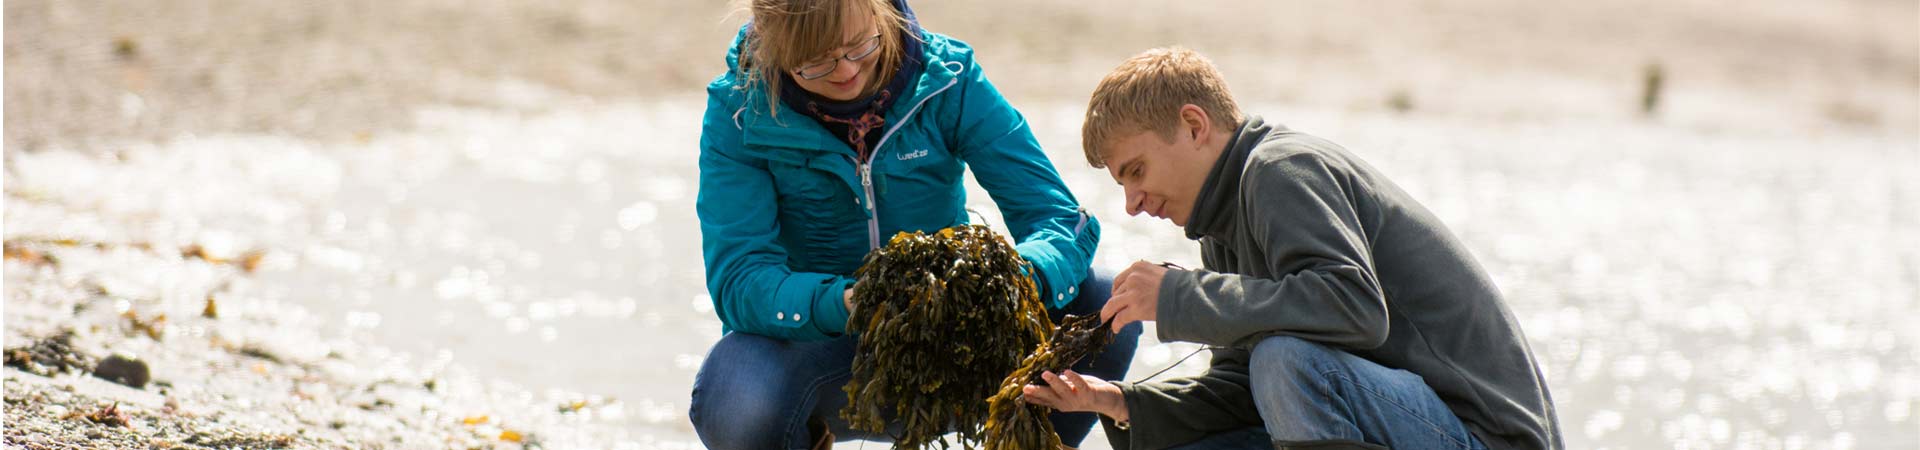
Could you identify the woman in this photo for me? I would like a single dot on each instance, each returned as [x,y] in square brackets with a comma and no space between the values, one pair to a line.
[838,124]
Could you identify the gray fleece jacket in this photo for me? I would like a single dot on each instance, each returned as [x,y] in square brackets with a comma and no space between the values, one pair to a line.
[1300,238]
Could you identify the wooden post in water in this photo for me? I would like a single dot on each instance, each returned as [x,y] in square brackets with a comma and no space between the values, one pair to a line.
[1651,80]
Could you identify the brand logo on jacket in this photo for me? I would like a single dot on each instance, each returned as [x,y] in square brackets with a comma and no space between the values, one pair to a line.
[912,155]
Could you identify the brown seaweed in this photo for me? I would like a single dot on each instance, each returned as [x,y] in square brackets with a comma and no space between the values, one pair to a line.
[1012,423]
[51,356]
[941,318]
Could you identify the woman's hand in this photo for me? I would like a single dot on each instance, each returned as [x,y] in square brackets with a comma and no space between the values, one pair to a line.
[1073,392]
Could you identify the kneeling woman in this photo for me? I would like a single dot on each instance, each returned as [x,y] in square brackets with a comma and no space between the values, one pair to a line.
[837,124]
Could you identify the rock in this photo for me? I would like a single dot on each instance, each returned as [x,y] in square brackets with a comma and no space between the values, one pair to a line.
[125,48]
[1400,101]
[1652,77]
[123,369]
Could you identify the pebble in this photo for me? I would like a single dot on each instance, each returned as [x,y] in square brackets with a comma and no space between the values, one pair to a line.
[123,369]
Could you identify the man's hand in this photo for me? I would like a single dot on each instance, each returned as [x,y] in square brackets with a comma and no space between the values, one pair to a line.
[1136,295]
[1073,392]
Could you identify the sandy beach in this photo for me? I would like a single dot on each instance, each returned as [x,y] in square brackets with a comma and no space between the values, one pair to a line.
[430,224]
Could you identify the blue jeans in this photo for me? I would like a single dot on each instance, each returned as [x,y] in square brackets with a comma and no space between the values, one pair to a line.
[1309,392]
[756,392]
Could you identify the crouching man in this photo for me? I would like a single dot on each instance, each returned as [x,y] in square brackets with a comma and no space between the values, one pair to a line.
[1343,313]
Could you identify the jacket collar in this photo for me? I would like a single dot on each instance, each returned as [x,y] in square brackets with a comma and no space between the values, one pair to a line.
[1215,211]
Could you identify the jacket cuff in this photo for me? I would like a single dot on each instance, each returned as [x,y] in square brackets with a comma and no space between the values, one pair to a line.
[830,308]
[794,303]
[1056,282]
[1129,438]
[1119,439]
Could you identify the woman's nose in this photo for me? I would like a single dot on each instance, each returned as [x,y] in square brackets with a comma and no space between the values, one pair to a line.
[846,70]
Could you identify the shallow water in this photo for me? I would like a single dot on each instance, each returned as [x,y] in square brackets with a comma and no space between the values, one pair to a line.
[1688,287]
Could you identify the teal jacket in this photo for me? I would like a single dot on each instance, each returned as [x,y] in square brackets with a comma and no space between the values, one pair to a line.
[787,213]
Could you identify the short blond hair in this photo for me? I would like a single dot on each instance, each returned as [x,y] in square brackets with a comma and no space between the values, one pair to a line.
[1146,92]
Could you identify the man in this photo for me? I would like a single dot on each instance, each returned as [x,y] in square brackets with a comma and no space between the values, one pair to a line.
[1344,313]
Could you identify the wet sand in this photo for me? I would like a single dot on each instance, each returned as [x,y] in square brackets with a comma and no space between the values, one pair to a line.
[1731,272]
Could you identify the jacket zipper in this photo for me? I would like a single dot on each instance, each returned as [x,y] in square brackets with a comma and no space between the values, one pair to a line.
[873,215]
[866,168]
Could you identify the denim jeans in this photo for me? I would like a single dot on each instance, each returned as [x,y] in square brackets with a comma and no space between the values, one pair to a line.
[756,392]
[1309,392]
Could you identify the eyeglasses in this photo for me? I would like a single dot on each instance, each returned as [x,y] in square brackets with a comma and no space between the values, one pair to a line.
[860,51]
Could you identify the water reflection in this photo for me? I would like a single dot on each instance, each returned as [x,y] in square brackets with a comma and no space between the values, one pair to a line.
[1682,288]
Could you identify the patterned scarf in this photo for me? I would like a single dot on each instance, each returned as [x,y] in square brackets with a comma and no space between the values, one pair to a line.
[858,127]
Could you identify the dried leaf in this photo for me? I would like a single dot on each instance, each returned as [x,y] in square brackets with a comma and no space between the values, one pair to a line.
[251,260]
[109,415]
[154,327]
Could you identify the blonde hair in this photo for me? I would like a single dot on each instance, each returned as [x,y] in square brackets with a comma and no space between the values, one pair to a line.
[788,33]
[1145,93]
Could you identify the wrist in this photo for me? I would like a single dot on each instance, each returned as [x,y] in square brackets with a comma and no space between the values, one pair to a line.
[1115,404]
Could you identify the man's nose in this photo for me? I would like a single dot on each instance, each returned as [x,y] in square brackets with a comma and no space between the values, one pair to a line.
[1134,200]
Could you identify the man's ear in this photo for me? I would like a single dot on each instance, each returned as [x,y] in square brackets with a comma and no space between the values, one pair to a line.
[1194,119]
